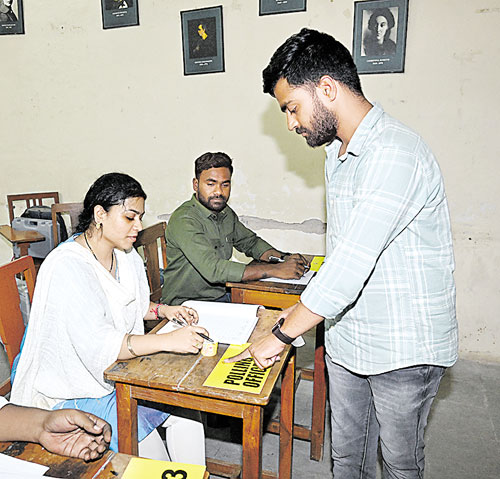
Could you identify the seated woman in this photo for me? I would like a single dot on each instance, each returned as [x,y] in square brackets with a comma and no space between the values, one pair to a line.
[90,300]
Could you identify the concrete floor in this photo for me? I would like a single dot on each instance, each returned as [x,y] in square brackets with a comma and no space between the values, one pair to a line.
[462,437]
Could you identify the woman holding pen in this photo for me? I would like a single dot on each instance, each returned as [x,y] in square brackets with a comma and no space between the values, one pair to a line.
[89,306]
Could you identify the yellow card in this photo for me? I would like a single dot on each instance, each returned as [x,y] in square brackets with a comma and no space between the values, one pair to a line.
[140,468]
[316,262]
[243,375]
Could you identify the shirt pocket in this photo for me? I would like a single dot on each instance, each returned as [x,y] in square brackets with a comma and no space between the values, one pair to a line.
[221,247]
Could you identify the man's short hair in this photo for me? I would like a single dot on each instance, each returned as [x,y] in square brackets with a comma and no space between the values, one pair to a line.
[212,160]
[308,55]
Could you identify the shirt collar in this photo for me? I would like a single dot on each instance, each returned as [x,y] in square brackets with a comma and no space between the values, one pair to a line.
[204,211]
[360,136]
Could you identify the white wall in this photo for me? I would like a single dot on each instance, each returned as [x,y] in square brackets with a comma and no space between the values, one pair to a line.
[79,101]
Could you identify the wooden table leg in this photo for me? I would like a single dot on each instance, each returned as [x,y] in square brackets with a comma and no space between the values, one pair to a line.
[23,248]
[126,407]
[252,442]
[286,418]
[319,396]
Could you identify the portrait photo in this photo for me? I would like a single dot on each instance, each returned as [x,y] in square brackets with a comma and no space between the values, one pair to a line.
[119,13]
[273,7]
[202,40]
[11,17]
[201,37]
[379,40]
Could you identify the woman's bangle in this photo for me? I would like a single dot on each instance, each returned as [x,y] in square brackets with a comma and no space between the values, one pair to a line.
[129,346]
[157,311]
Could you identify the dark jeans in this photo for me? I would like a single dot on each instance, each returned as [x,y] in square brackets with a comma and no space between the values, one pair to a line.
[392,407]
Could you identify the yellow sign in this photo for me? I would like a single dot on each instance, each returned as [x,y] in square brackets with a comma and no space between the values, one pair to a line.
[243,375]
[316,262]
[140,468]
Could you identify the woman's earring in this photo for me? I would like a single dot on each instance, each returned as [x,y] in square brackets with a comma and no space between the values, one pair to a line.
[98,226]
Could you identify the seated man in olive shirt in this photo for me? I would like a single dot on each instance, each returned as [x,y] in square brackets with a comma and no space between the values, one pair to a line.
[201,235]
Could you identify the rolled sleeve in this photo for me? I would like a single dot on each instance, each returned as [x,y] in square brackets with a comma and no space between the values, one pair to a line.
[246,241]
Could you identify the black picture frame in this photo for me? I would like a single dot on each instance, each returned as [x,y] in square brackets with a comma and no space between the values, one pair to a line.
[372,19]
[203,40]
[119,13]
[273,7]
[11,17]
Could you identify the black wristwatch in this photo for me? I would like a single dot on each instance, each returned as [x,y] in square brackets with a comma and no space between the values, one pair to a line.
[284,338]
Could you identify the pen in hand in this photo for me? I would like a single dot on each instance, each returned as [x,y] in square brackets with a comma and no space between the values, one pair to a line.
[182,324]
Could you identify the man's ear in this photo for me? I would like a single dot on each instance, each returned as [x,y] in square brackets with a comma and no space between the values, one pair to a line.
[327,88]
[195,185]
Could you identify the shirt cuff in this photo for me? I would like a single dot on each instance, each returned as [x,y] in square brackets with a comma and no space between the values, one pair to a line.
[235,271]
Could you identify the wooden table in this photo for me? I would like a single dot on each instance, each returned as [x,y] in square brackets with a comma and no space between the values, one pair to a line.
[22,239]
[283,295]
[110,466]
[177,380]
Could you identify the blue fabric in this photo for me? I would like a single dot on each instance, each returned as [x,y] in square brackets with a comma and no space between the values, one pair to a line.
[147,418]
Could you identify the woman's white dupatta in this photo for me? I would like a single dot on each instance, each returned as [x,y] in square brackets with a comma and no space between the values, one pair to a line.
[78,320]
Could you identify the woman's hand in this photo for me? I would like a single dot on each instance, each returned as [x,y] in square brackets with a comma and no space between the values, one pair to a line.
[184,340]
[188,315]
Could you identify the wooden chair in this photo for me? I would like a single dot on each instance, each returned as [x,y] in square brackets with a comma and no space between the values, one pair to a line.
[11,320]
[31,199]
[72,209]
[148,239]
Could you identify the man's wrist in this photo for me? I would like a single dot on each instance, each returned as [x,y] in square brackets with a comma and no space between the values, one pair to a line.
[283,337]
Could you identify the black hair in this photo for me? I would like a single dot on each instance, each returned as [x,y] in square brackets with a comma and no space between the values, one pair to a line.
[212,160]
[108,190]
[308,55]
[381,12]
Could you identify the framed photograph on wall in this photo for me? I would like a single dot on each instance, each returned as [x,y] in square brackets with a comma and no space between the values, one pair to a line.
[11,17]
[202,40]
[119,13]
[379,39]
[271,7]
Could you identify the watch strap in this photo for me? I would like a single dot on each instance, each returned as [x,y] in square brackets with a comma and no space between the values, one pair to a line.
[284,338]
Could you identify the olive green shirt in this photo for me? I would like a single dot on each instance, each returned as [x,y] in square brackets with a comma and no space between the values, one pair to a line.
[199,248]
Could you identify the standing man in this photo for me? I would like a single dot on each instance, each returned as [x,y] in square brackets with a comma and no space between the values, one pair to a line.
[386,289]
[201,235]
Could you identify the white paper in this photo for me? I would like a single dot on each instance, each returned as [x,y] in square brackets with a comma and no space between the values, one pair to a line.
[304,280]
[227,323]
[12,467]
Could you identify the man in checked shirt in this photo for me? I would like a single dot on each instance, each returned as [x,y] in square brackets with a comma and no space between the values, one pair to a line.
[386,290]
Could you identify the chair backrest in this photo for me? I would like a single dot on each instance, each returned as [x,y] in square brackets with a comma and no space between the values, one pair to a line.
[11,319]
[31,199]
[148,239]
[72,209]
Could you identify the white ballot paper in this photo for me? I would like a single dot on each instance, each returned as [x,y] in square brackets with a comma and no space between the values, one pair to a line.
[227,323]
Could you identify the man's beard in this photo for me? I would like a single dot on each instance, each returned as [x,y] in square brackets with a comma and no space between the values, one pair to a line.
[208,202]
[324,126]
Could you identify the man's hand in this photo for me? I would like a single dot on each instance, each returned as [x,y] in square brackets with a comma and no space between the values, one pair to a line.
[293,267]
[264,352]
[75,433]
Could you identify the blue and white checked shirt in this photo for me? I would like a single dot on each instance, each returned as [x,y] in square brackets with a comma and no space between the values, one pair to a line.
[386,286]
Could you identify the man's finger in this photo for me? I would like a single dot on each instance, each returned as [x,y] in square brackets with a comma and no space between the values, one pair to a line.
[243,355]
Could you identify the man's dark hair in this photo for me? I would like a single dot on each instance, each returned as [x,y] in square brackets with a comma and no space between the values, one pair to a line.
[108,190]
[308,55]
[212,160]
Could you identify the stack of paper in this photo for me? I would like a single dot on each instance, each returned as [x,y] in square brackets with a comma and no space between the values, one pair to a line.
[228,323]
